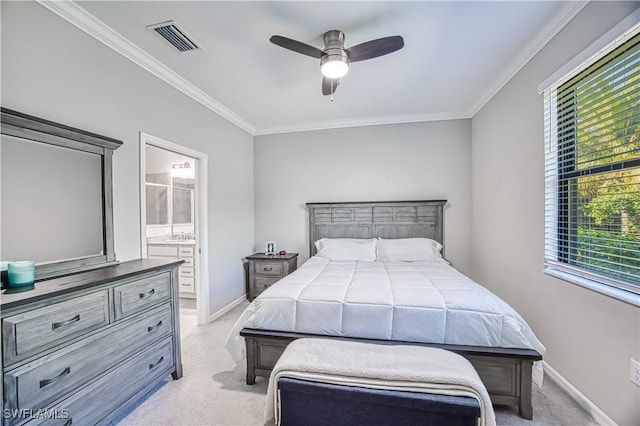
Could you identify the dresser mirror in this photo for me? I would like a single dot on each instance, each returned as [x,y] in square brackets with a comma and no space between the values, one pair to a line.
[57,196]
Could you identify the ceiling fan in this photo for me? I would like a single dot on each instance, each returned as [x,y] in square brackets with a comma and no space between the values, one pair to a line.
[335,59]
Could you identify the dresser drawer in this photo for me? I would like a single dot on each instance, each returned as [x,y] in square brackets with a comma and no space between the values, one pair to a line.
[141,294]
[113,390]
[36,384]
[34,331]
[268,268]
[185,252]
[188,261]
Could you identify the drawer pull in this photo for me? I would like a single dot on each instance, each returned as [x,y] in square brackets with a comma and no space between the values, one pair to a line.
[69,422]
[152,366]
[154,327]
[46,382]
[61,324]
[147,294]
[268,269]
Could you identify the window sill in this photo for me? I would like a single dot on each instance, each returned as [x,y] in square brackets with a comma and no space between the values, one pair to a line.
[607,290]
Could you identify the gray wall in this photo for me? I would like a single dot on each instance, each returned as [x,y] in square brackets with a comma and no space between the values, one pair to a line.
[589,337]
[55,71]
[418,161]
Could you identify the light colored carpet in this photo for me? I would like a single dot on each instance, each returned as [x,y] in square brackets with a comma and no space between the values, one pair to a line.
[213,390]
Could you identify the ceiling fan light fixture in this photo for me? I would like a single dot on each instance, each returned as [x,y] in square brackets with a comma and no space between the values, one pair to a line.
[334,66]
[335,59]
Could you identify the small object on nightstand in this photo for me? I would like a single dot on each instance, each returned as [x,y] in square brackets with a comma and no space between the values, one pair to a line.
[282,253]
[270,248]
[265,270]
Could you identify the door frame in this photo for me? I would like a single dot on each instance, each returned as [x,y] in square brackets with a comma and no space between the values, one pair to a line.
[201,216]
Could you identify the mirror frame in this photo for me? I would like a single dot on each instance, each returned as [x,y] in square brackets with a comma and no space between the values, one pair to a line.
[20,125]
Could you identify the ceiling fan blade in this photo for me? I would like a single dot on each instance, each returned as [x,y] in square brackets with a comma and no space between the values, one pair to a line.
[327,87]
[375,48]
[297,46]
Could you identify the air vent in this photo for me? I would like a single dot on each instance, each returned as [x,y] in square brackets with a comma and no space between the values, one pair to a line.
[174,35]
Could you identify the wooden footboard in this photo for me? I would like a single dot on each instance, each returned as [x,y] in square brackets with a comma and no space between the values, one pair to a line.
[506,373]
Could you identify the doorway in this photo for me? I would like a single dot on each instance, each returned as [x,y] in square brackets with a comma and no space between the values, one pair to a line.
[174,217]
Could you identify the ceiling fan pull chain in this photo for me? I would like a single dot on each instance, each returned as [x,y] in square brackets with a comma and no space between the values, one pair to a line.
[332,90]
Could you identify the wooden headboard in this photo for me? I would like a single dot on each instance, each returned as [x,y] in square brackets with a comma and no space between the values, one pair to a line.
[386,219]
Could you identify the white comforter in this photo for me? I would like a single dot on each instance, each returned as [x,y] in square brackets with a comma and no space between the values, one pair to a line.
[428,302]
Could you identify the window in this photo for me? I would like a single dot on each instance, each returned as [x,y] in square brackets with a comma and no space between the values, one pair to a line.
[592,169]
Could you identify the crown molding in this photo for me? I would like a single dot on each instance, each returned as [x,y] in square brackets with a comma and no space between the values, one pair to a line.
[619,33]
[79,17]
[359,122]
[82,19]
[553,27]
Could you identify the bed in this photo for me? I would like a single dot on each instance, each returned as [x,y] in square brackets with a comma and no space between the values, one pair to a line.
[389,300]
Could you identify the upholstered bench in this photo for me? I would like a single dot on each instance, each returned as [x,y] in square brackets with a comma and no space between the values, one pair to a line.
[321,381]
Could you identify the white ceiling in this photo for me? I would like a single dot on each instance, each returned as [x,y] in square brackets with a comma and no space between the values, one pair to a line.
[457,55]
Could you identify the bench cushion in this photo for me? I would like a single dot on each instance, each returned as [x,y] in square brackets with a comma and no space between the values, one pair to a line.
[404,368]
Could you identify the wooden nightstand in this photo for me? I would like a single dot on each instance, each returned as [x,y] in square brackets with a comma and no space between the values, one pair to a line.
[265,270]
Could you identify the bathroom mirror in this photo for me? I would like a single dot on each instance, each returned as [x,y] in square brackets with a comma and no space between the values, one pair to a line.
[57,196]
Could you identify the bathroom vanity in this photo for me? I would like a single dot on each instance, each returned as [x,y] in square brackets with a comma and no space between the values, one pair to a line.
[183,250]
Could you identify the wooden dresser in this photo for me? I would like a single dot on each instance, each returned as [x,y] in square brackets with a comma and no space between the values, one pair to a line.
[81,349]
[265,270]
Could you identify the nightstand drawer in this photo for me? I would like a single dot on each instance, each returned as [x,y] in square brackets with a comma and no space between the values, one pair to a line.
[268,268]
[264,270]
[263,283]
[138,295]
[42,328]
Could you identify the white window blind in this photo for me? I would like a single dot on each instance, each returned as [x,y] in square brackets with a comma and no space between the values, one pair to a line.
[592,168]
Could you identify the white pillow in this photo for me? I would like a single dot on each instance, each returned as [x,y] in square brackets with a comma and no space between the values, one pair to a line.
[320,244]
[409,249]
[346,249]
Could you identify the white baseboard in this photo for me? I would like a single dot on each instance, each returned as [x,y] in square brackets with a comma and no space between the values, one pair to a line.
[578,396]
[214,316]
